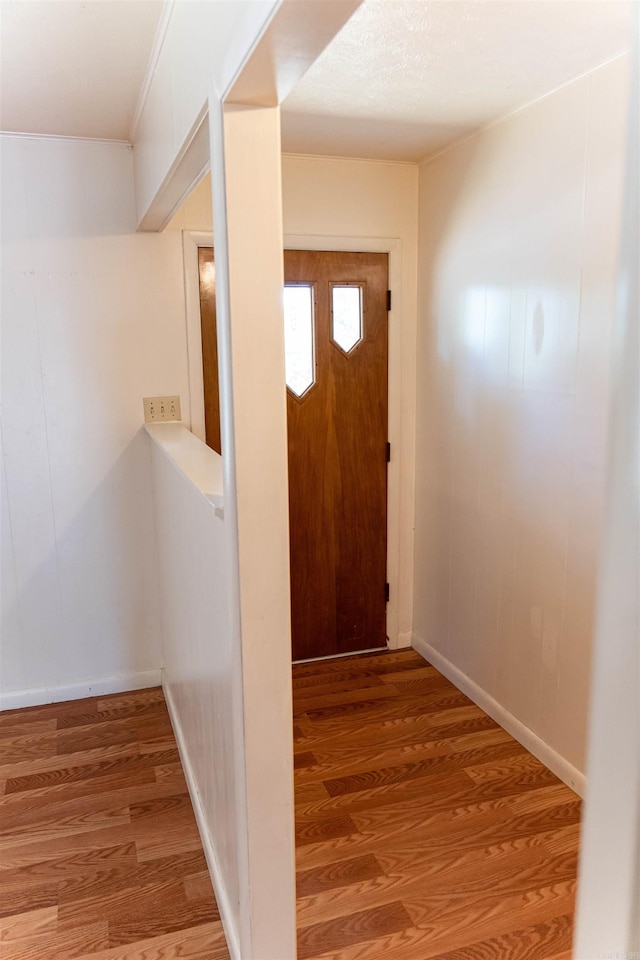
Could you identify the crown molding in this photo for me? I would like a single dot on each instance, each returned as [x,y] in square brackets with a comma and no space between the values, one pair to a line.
[154,56]
[20,135]
[348,159]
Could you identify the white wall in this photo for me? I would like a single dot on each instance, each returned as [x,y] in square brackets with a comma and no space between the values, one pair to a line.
[518,254]
[92,321]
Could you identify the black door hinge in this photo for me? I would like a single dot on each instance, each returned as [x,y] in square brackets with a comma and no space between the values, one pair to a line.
[386,593]
[388,453]
[388,300]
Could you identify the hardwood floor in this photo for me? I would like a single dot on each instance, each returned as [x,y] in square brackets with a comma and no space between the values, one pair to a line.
[423,829]
[100,855]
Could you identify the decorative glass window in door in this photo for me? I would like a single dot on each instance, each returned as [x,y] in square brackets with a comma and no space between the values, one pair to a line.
[298,338]
[346,315]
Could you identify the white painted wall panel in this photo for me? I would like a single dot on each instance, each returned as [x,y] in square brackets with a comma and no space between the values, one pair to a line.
[28,485]
[517,258]
[92,321]
[203,675]
[11,657]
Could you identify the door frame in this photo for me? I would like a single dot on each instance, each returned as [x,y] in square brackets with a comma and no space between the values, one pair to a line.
[401,469]
[191,240]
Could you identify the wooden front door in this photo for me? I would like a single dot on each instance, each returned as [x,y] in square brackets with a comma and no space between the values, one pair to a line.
[336,307]
[336,358]
[209,331]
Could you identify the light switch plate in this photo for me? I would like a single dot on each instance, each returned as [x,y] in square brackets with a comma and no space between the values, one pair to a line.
[158,409]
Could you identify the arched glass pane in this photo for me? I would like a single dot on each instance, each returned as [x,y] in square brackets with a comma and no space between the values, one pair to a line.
[298,338]
[346,316]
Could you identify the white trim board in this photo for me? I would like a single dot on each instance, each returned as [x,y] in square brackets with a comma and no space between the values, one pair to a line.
[97,687]
[523,734]
[342,159]
[224,907]
[25,135]
[186,172]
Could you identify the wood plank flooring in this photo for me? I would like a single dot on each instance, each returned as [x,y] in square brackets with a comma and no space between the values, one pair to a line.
[100,855]
[423,829]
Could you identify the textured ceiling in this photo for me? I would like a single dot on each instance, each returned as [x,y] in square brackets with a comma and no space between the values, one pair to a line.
[74,67]
[404,78]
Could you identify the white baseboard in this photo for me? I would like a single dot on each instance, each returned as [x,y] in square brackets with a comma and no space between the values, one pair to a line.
[219,887]
[573,777]
[97,687]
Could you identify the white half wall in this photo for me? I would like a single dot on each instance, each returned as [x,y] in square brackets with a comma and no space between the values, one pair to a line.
[519,231]
[92,321]
[202,661]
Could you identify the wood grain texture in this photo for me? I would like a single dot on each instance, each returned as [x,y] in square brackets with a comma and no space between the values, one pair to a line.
[438,836]
[209,330]
[100,855]
[337,435]
[421,835]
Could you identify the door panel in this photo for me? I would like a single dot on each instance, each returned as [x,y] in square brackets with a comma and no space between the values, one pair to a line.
[337,430]
[337,465]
